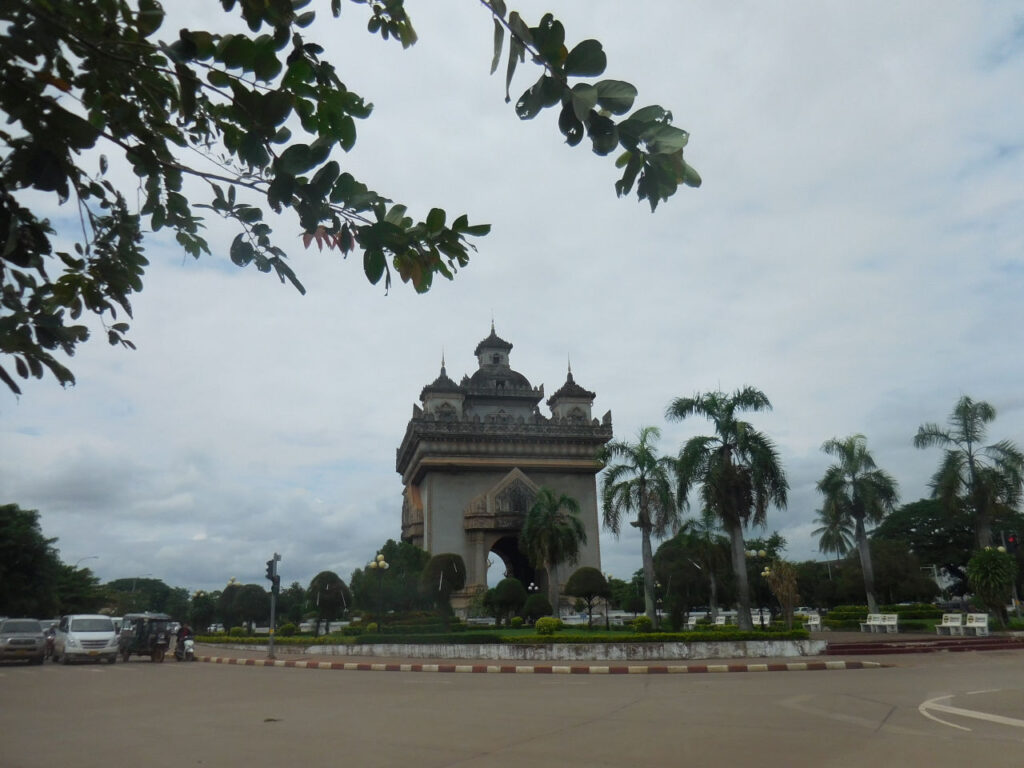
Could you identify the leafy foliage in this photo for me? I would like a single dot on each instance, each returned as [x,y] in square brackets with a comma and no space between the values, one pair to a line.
[639,484]
[651,148]
[982,479]
[399,587]
[330,596]
[547,625]
[738,471]
[590,584]
[250,121]
[857,491]
[552,533]
[444,574]
[28,565]
[991,574]
[536,605]
[507,598]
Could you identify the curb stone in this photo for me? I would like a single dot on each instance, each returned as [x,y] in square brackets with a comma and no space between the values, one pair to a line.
[550,669]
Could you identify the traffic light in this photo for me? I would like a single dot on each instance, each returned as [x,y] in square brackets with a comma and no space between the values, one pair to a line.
[272,576]
[1012,542]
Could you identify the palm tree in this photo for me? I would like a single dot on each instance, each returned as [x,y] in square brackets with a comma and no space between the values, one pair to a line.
[856,489]
[972,476]
[711,549]
[737,468]
[835,534]
[640,484]
[552,534]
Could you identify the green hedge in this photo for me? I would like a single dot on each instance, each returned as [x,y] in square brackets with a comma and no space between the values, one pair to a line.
[438,638]
[717,634]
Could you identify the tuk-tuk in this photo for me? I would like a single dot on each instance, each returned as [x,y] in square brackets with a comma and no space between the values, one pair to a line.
[144,634]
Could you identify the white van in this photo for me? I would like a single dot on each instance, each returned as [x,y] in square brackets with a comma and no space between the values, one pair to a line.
[85,636]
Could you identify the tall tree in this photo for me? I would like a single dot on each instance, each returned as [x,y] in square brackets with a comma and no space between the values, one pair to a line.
[835,533]
[588,584]
[330,597]
[738,471]
[211,115]
[979,478]
[552,534]
[443,574]
[640,484]
[855,489]
[29,566]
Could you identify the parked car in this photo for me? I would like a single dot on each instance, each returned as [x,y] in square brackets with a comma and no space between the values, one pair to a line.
[85,636]
[22,639]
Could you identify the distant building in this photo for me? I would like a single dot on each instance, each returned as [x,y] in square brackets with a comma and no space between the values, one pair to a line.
[476,452]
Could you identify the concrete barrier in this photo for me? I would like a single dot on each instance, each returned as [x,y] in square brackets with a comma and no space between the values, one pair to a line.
[746,649]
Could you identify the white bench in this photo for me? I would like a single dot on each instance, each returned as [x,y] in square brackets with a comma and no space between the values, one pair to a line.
[880,622]
[873,620]
[976,623]
[813,622]
[720,621]
[952,624]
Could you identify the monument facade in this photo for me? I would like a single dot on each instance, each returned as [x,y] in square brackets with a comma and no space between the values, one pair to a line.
[474,455]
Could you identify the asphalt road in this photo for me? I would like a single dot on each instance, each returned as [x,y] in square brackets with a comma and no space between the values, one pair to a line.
[951,709]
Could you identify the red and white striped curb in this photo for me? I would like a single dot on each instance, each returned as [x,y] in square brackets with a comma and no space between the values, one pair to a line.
[550,669]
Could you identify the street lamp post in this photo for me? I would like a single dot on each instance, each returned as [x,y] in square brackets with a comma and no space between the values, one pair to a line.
[379,564]
[83,559]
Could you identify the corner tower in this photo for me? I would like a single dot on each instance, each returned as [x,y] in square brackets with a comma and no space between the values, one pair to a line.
[475,454]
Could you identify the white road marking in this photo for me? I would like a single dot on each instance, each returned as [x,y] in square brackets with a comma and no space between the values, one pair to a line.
[925,705]
[934,705]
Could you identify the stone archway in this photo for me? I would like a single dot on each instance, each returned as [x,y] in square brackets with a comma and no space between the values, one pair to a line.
[514,564]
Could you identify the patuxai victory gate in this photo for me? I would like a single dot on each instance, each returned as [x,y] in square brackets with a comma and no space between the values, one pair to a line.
[476,452]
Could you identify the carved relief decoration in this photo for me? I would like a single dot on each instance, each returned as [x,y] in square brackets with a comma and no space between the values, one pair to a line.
[504,506]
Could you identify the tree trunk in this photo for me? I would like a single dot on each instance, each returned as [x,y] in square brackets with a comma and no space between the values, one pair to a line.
[714,594]
[648,560]
[553,589]
[739,567]
[865,565]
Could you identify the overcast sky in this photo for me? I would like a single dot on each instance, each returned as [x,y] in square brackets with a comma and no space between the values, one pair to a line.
[855,252]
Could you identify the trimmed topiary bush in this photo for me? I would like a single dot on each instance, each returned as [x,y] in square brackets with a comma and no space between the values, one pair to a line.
[287,630]
[237,632]
[642,624]
[516,622]
[548,625]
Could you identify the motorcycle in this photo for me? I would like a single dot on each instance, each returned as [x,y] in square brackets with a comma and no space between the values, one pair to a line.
[185,650]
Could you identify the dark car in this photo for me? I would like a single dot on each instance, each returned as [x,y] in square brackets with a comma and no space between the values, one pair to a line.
[22,639]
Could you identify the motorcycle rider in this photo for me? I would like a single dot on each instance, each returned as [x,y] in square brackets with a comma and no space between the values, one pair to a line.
[184,631]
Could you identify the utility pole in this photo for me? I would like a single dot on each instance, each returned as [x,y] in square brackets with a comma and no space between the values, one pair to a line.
[275,586]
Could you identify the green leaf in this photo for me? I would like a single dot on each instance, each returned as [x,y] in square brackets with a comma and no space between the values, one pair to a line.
[602,133]
[373,265]
[477,230]
[296,159]
[584,99]
[499,41]
[218,78]
[149,18]
[395,215]
[305,19]
[242,251]
[586,60]
[665,139]
[690,176]
[570,126]
[617,96]
[435,221]
[516,53]
[532,101]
